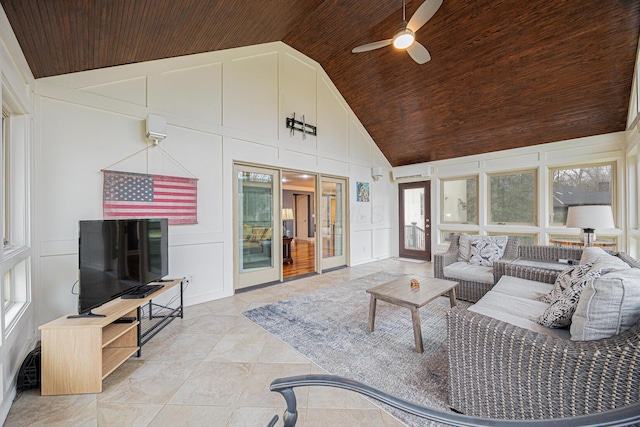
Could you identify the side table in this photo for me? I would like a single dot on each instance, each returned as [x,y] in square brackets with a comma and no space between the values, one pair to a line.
[580,243]
[286,250]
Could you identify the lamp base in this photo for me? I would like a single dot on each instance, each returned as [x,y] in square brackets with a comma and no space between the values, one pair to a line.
[588,236]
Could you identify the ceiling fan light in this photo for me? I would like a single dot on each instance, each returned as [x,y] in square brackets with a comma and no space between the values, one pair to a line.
[403,39]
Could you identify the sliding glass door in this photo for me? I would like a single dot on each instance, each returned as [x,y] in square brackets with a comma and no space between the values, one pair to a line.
[257,224]
[333,222]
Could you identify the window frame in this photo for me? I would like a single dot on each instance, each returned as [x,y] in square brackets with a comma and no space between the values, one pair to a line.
[6,178]
[15,200]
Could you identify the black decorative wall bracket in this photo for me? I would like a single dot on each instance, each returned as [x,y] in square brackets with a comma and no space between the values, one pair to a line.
[301,126]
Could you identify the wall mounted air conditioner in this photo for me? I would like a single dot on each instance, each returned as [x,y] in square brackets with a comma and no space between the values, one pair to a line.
[156,127]
[419,170]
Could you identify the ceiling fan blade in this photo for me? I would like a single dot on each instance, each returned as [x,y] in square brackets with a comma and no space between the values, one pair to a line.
[423,14]
[372,46]
[419,53]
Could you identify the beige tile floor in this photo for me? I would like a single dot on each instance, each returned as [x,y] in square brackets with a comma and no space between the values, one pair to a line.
[213,368]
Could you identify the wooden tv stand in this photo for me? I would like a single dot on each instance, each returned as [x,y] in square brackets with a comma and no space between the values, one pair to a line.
[77,354]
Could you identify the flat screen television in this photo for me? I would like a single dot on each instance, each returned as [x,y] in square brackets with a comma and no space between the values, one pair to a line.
[117,256]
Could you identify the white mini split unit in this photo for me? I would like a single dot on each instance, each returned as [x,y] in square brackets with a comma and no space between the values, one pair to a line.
[156,127]
[419,170]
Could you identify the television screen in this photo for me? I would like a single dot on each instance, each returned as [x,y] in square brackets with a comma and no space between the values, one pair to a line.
[119,255]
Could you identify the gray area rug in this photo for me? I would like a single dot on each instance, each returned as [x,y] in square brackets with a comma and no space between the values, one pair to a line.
[330,327]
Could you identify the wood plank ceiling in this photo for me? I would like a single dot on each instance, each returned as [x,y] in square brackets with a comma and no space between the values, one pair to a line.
[503,73]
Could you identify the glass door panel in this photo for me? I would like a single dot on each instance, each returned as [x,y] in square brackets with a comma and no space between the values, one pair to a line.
[415,220]
[332,222]
[257,222]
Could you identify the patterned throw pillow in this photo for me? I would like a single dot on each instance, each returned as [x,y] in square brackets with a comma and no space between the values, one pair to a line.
[559,313]
[485,250]
[564,279]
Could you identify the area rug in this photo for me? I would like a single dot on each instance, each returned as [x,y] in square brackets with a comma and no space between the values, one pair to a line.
[329,326]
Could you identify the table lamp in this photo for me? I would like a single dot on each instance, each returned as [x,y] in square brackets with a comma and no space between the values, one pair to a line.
[287,214]
[589,218]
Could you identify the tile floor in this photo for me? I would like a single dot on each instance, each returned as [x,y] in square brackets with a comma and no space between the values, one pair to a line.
[213,368]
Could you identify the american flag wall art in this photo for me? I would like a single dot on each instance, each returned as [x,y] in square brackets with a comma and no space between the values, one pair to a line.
[137,195]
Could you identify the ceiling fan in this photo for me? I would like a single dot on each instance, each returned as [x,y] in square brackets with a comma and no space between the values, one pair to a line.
[404,37]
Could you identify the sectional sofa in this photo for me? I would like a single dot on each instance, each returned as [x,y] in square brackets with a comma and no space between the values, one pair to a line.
[506,362]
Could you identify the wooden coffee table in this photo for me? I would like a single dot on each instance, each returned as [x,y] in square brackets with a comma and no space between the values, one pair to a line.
[400,292]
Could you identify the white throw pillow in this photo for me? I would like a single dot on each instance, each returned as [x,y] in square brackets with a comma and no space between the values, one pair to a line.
[600,260]
[559,313]
[464,247]
[564,280]
[608,306]
[487,249]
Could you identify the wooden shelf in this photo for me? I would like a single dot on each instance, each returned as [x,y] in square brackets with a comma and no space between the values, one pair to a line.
[112,357]
[78,353]
[113,331]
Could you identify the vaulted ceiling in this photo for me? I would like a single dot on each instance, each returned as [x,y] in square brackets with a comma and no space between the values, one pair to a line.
[503,73]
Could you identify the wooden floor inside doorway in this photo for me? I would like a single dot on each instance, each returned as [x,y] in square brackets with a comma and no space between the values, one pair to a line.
[303,253]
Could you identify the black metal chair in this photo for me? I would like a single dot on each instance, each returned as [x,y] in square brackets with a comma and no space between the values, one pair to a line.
[623,416]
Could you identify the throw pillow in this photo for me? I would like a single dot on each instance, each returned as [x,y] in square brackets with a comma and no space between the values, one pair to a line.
[564,279]
[267,234]
[256,234]
[485,250]
[601,260]
[608,306]
[559,313]
[464,247]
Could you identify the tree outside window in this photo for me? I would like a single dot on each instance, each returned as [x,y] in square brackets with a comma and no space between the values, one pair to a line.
[576,186]
[512,198]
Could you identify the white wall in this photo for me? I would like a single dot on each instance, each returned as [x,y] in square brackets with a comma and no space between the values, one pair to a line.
[221,107]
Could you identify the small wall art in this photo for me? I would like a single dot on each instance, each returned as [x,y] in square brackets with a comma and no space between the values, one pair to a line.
[362,191]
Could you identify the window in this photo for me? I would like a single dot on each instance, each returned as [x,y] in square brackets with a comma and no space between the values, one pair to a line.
[523,238]
[459,200]
[15,212]
[8,286]
[582,185]
[15,284]
[445,236]
[512,198]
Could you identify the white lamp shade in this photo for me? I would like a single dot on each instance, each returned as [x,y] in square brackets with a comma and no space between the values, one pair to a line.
[590,217]
[287,213]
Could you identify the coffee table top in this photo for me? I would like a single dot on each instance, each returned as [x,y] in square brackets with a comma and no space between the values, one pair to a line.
[400,290]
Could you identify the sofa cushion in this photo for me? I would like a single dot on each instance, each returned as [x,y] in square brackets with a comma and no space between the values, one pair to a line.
[464,247]
[515,301]
[473,273]
[601,260]
[564,280]
[487,249]
[608,306]
[522,288]
[559,313]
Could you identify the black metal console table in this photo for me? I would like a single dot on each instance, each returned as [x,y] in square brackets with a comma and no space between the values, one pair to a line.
[155,317]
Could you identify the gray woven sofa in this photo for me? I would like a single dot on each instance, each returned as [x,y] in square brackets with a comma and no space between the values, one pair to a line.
[450,266]
[502,366]
[500,372]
